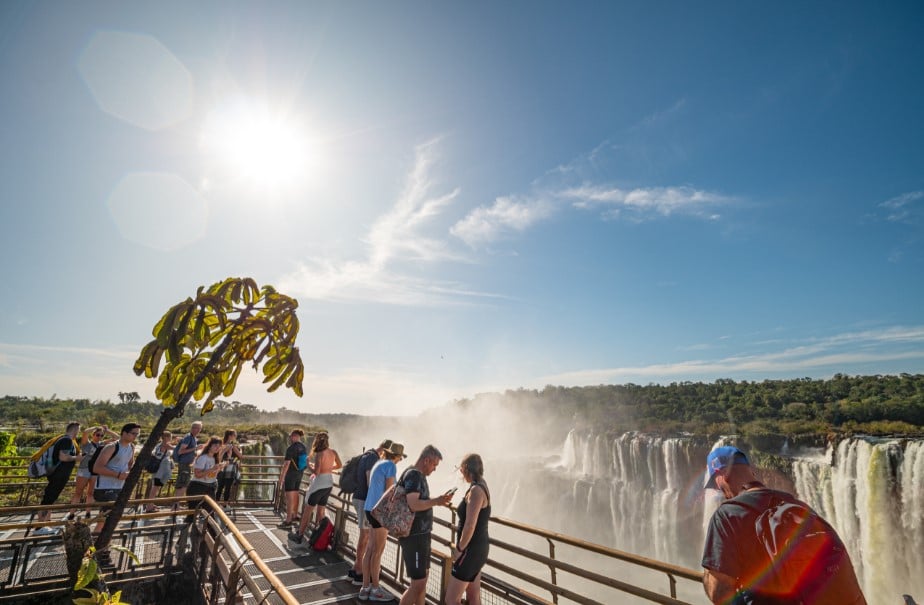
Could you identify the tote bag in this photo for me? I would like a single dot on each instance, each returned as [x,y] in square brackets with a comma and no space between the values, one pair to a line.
[393,512]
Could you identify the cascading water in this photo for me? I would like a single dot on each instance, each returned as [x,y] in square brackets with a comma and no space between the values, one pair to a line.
[643,494]
[872,491]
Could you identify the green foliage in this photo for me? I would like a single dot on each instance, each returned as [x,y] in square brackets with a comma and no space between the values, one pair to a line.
[207,340]
[89,572]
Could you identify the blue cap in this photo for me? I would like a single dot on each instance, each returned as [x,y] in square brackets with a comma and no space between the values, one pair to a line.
[721,458]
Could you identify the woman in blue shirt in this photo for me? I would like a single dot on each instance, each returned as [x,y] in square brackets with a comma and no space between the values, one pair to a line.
[381,478]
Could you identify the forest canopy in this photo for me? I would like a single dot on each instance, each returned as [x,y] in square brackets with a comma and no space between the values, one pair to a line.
[878,405]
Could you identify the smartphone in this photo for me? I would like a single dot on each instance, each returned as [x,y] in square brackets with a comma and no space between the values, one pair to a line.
[452,490]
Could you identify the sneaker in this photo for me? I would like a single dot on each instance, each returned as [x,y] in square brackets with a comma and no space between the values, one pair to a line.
[45,531]
[351,573]
[285,525]
[297,542]
[358,579]
[377,593]
[364,593]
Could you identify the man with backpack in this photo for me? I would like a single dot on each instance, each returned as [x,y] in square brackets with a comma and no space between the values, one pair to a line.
[65,455]
[766,547]
[360,479]
[112,463]
[183,455]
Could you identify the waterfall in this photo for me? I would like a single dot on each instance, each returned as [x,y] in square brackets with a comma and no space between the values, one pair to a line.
[643,494]
[872,491]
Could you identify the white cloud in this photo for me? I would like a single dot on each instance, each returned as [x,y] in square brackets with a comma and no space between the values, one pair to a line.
[507,214]
[836,353]
[398,235]
[902,208]
[647,202]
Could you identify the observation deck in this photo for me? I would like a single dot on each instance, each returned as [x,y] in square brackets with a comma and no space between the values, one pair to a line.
[242,557]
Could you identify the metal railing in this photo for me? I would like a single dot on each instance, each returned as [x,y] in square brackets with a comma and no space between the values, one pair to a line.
[162,541]
[507,561]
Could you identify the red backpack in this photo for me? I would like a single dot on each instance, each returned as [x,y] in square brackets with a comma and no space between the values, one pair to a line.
[322,538]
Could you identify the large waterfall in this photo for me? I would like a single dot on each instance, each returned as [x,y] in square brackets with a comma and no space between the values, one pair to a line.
[643,494]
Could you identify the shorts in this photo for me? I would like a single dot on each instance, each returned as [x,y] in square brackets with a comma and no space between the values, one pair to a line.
[158,482]
[84,472]
[183,476]
[360,507]
[106,495]
[415,550]
[292,481]
[319,498]
[373,522]
[469,564]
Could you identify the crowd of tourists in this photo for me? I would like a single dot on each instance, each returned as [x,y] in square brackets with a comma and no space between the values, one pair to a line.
[376,473]
[762,547]
[104,459]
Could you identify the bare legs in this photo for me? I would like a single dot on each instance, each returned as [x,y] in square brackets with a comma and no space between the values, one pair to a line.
[416,593]
[456,588]
[372,560]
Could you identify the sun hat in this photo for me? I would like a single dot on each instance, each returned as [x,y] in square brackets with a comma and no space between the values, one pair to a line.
[386,443]
[396,449]
[719,459]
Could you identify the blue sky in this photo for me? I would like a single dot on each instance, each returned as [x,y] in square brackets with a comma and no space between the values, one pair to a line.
[467,196]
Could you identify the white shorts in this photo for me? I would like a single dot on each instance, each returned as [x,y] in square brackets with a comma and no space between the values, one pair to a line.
[360,507]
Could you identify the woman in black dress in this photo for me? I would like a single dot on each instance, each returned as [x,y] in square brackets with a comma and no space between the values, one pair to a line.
[470,552]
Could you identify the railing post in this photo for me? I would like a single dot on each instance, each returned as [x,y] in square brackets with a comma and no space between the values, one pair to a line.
[553,574]
[444,577]
[673,583]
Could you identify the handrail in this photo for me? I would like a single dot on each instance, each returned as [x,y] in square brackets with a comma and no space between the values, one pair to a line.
[343,511]
[222,533]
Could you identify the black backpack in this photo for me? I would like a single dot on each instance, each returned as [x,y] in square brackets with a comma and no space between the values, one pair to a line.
[349,475]
[803,550]
[92,463]
[154,461]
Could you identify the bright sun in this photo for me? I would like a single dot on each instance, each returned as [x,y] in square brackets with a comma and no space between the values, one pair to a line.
[268,151]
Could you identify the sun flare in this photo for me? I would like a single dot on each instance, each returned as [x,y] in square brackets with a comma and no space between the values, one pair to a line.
[263,149]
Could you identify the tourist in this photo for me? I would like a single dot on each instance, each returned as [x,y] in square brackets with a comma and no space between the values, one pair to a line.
[231,474]
[66,455]
[381,477]
[85,483]
[184,455]
[470,552]
[322,461]
[113,465]
[366,462]
[164,452]
[415,548]
[205,471]
[290,475]
[814,569]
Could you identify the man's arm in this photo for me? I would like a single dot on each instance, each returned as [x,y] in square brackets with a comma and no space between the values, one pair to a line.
[719,587]
[416,504]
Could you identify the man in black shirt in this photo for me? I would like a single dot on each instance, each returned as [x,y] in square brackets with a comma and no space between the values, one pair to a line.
[66,455]
[290,476]
[415,548]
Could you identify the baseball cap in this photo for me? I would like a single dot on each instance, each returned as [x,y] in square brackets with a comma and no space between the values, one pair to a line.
[721,458]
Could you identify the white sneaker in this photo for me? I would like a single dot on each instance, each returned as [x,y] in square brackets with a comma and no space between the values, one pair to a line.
[380,594]
[45,531]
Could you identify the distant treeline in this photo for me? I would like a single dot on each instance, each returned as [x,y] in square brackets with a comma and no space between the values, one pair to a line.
[877,405]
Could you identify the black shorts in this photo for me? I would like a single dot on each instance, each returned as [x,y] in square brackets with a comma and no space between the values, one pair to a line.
[56,482]
[415,550]
[469,564]
[292,481]
[106,495]
[373,522]
[158,482]
[319,498]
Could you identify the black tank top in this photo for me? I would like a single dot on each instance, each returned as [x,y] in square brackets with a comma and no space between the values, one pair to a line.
[480,536]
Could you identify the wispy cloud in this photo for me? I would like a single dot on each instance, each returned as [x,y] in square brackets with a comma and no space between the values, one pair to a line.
[904,208]
[837,352]
[507,215]
[398,235]
[646,203]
